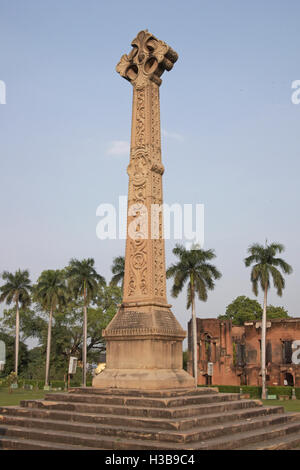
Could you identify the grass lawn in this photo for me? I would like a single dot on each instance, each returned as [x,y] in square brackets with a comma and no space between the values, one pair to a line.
[289,405]
[17,395]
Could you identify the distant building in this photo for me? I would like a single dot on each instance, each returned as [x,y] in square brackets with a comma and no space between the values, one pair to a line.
[230,355]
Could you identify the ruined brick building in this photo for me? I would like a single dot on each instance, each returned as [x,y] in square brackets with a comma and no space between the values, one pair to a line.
[230,355]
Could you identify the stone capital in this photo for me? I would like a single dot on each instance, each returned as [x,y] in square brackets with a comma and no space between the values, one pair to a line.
[148,60]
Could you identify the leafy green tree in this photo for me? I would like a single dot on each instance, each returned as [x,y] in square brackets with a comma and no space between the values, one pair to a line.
[242,309]
[274,312]
[17,289]
[118,270]
[10,356]
[83,281]
[185,358]
[194,269]
[107,301]
[68,333]
[265,266]
[51,293]
[31,323]
[36,363]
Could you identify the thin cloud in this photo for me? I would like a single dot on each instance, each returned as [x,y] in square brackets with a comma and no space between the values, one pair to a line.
[172,135]
[119,147]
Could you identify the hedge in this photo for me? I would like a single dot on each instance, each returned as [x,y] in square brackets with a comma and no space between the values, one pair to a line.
[228,388]
[40,383]
[255,392]
[281,390]
[224,388]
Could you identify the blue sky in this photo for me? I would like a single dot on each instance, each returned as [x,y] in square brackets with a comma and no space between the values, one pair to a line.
[230,140]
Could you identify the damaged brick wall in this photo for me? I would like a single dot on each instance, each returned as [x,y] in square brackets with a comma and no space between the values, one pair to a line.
[235,352]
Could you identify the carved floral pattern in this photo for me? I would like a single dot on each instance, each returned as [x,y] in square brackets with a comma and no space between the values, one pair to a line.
[140,117]
[155,122]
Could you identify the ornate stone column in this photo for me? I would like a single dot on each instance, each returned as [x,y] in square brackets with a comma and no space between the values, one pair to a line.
[144,339]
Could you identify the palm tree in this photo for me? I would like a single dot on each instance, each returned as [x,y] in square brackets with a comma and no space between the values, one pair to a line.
[51,293]
[193,267]
[118,270]
[265,267]
[83,282]
[17,289]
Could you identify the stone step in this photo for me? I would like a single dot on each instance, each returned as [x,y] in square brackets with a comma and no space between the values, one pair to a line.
[228,416]
[143,402]
[174,436]
[144,393]
[240,440]
[285,442]
[179,424]
[134,421]
[167,413]
[14,443]
[236,428]
[11,433]
[236,441]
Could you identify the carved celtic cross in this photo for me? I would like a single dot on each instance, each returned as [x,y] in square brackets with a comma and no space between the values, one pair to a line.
[145,277]
[148,60]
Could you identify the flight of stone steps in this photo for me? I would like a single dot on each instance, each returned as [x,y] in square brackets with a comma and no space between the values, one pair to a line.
[157,420]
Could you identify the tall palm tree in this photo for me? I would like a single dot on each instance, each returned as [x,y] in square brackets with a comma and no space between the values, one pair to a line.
[118,270]
[17,289]
[83,281]
[193,267]
[51,293]
[265,267]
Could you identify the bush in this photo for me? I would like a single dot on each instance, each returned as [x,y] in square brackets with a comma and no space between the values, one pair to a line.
[254,392]
[280,391]
[37,384]
[9,380]
[228,388]
[224,388]
[57,384]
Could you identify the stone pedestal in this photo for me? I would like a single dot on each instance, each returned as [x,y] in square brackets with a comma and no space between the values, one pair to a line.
[144,351]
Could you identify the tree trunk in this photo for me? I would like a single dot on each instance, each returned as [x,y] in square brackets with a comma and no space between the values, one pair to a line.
[194,334]
[263,346]
[84,347]
[17,338]
[48,349]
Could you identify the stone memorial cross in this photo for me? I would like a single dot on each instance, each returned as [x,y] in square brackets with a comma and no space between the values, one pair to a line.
[144,339]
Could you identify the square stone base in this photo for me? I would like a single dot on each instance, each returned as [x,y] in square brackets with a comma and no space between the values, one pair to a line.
[144,351]
[143,379]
